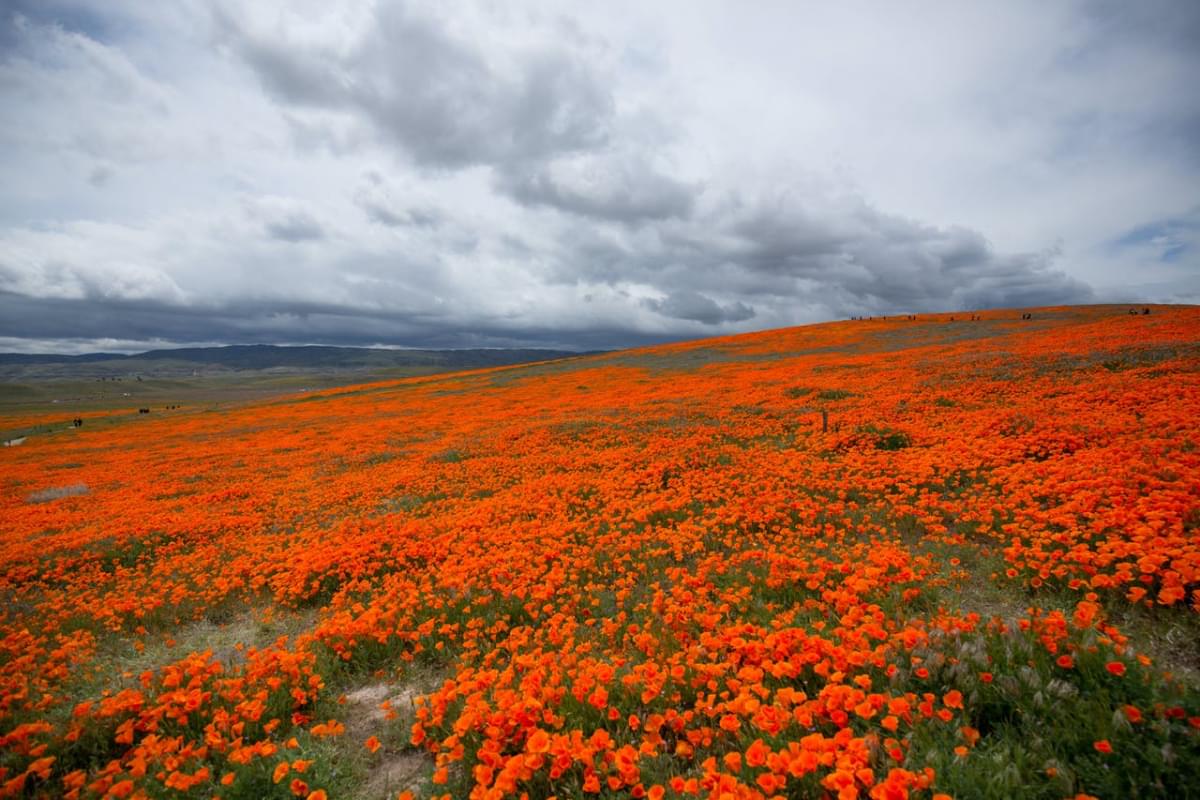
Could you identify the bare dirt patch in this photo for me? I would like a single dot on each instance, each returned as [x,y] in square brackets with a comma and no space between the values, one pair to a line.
[56,492]
[386,710]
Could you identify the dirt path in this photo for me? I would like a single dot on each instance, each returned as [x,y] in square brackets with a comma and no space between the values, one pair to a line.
[386,711]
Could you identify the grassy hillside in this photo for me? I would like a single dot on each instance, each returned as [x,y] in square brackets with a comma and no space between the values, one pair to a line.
[905,557]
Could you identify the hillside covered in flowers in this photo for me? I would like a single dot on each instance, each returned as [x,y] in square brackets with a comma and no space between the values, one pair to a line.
[942,556]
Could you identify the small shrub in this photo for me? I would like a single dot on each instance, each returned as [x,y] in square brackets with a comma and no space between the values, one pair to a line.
[893,440]
[450,456]
[885,438]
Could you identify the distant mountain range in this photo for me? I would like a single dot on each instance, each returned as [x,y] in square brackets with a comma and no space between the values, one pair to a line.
[265,356]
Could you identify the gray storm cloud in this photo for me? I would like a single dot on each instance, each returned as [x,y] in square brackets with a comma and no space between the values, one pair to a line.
[605,187]
[412,173]
[695,306]
[432,92]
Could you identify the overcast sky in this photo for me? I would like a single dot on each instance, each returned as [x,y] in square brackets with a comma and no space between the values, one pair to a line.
[582,175]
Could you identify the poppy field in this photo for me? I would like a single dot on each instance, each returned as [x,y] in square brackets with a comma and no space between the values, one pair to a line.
[943,556]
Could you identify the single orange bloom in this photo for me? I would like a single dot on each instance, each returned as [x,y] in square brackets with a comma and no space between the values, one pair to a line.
[122,789]
[280,771]
[756,754]
[768,782]
[1066,662]
[1115,667]
[539,742]
[953,699]
[599,698]
[1102,746]
[1171,595]
[372,744]
[319,794]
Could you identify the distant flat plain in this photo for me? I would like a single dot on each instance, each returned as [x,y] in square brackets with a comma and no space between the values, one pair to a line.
[44,397]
